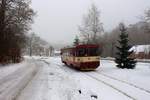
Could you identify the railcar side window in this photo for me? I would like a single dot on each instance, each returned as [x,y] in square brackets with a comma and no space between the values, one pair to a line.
[87,52]
[81,52]
[93,51]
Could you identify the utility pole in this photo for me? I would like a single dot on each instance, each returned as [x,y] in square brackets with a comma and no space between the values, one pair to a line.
[30,43]
[112,49]
[30,48]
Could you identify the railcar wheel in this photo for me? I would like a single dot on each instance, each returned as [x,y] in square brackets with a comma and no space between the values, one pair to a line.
[65,63]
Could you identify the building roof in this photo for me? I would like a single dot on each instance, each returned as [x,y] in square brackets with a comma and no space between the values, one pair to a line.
[141,48]
[57,51]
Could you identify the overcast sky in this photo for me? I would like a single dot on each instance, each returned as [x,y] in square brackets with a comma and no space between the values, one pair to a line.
[57,21]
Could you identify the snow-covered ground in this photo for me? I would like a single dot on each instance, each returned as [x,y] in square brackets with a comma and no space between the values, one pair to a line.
[55,81]
[13,78]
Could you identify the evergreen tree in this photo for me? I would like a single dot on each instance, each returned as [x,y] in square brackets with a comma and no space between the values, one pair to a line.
[76,41]
[123,58]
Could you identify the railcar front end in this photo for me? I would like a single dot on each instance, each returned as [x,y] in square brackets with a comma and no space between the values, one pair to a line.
[82,57]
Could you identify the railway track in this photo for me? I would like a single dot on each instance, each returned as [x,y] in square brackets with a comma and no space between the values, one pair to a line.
[120,91]
[122,81]
[125,82]
[112,86]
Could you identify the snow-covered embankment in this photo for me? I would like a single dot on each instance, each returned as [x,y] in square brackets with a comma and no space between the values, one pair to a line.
[14,78]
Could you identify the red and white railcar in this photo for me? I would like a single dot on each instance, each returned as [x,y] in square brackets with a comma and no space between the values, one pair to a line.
[82,57]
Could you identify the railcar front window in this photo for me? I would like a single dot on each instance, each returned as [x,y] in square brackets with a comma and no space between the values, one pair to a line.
[93,51]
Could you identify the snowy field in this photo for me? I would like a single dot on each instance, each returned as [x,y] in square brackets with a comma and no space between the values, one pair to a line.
[54,81]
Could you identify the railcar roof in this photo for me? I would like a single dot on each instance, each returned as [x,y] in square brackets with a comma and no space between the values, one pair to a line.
[80,46]
[87,45]
[67,48]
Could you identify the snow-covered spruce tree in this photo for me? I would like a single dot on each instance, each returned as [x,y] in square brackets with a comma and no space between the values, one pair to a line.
[76,41]
[123,58]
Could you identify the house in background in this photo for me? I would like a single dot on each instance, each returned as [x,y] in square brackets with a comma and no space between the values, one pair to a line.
[141,51]
[57,52]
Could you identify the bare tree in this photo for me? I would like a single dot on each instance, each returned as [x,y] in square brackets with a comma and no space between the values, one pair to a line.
[146,20]
[15,19]
[147,15]
[37,46]
[147,23]
[91,28]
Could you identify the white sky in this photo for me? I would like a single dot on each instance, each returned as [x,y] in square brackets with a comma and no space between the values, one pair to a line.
[57,21]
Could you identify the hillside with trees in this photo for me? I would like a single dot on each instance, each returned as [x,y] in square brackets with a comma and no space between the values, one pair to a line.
[139,34]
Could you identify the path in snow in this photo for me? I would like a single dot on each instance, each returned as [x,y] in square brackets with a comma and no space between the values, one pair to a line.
[14,79]
[50,83]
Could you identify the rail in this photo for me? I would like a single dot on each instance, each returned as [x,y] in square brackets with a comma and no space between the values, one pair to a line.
[138,60]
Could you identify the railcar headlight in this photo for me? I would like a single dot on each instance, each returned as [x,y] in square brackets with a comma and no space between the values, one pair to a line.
[78,59]
[97,58]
